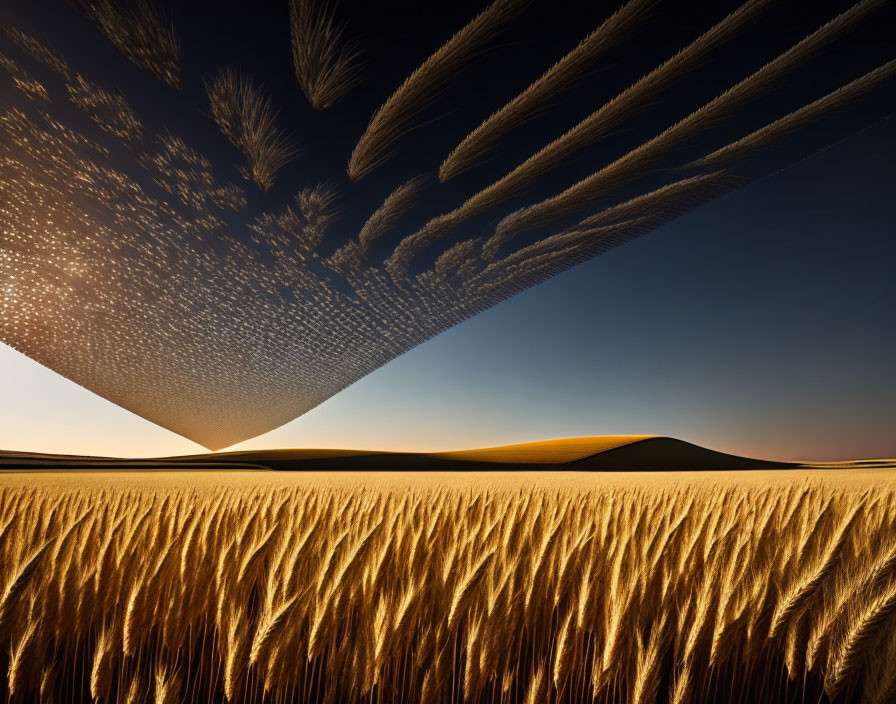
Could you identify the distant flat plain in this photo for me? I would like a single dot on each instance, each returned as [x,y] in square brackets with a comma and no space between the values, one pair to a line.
[598,453]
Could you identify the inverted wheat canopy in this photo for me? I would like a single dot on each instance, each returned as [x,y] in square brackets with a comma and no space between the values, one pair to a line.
[213,284]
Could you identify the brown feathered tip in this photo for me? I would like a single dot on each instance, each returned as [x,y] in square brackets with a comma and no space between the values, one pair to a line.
[246,117]
[637,160]
[397,115]
[473,148]
[325,65]
[139,32]
[586,132]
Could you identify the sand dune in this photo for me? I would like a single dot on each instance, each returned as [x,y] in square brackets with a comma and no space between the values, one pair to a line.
[623,453]
[548,452]
[665,454]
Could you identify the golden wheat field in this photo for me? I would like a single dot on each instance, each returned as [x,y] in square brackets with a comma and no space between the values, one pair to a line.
[388,587]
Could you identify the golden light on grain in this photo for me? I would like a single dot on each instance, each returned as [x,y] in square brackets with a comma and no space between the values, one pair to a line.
[434,587]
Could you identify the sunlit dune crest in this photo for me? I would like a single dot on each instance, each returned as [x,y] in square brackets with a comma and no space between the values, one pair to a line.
[558,451]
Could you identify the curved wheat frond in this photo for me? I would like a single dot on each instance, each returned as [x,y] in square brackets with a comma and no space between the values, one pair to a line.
[535,692]
[166,686]
[399,202]
[563,653]
[18,654]
[623,169]
[401,109]
[464,590]
[796,598]
[102,672]
[269,627]
[326,67]
[561,76]
[773,131]
[586,132]
[17,583]
[649,673]
[861,630]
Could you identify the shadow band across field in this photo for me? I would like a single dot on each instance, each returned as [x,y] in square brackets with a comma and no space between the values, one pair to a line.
[606,454]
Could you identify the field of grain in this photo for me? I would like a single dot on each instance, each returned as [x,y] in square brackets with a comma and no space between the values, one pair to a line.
[766,586]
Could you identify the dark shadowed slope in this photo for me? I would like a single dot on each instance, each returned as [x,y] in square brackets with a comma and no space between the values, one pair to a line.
[623,453]
[668,454]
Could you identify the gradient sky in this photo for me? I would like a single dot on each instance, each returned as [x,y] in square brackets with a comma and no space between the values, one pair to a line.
[760,324]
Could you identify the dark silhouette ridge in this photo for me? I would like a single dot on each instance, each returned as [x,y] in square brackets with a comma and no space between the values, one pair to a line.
[669,454]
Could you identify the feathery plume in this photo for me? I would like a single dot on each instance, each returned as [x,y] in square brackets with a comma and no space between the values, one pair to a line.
[635,161]
[475,146]
[139,32]
[326,67]
[397,115]
[586,132]
[765,136]
[245,116]
[396,204]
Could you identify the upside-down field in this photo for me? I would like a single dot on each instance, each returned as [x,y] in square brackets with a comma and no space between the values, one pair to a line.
[186,234]
[532,587]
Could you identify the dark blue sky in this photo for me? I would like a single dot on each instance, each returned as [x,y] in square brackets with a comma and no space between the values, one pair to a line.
[763,323]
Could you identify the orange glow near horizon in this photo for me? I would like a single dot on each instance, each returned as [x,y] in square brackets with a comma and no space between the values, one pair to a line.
[56,416]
